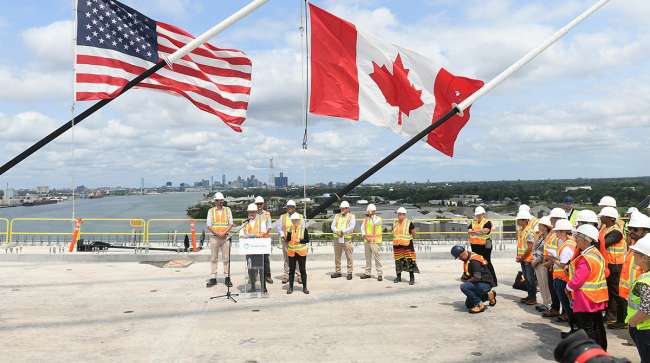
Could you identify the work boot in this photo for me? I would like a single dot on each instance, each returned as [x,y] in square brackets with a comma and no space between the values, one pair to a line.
[477,309]
[541,308]
[551,313]
[290,291]
[562,318]
[304,290]
[379,278]
[211,282]
[364,276]
[269,279]
[285,279]
[398,278]
[228,282]
[336,275]
[349,276]
[492,295]
[532,301]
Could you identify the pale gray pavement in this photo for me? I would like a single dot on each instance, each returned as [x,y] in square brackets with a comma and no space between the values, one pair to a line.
[71,312]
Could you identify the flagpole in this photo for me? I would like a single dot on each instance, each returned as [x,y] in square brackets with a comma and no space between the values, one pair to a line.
[458,109]
[243,12]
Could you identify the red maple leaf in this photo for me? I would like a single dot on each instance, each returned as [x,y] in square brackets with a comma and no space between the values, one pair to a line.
[396,87]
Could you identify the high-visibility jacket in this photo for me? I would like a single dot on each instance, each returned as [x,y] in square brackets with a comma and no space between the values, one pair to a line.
[614,254]
[256,228]
[342,222]
[522,241]
[595,288]
[551,244]
[372,232]
[294,247]
[629,273]
[220,219]
[634,302]
[572,216]
[559,272]
[475,257]
[401,235]
[479,239]
[285,223]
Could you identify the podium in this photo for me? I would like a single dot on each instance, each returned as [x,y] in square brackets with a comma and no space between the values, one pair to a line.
[254,249]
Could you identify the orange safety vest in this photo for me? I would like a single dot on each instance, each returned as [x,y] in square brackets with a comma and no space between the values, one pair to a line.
[559,272]
[480,239]
[255,229]
[522,241]
[614,254]
[629,274]
[474,257]
[401,235]
[372,232]
[220,220]
[595,288]
[294,247]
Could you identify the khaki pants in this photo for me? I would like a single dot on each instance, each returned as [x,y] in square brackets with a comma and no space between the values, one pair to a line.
[542,282]
[339,248]
[372,253]
[216,245]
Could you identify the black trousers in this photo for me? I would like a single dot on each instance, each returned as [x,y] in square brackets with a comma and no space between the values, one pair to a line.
[486,253]
[302,260]
[555,299]
[616,306]
[642,340]
[267,266]
[593,325]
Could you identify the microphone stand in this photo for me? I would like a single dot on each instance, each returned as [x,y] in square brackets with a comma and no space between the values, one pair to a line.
[228,295]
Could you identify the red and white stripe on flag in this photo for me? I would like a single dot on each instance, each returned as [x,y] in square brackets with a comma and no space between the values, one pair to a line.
[215,80]
[357,76]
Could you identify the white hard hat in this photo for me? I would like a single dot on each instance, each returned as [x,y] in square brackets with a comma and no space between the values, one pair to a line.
[252,208]
[557,213]
[587,216]
[632,210]
[259,199]
[295,216]
[546,221]
[524,207]
[639,220]
[607,201]
[589,231]
[642,245]
[610,212]
[479,210]
[291,203]
[371,207]
[563,225]
[401,210]
[524,214]
[345,204]
[218,196]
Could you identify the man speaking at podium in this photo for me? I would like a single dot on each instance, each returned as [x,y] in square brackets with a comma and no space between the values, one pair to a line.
[255,227]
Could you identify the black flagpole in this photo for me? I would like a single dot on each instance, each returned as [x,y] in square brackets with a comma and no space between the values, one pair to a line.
[82,116]
[361,178]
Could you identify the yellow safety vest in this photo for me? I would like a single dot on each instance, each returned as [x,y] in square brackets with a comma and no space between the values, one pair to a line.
[294,247]
[342,223]
[401,235]
[634,302]
[220,220]
[373,232]
[522,241]
[285,223]
[482,238]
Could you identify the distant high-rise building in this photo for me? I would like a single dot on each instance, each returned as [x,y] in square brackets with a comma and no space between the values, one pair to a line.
[9,193]
[168,184]
[281,181]
[43,189]
[223,179]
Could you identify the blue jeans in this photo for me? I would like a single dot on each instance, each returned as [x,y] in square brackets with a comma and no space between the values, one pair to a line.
[559,286]
[531,281]
[476,292]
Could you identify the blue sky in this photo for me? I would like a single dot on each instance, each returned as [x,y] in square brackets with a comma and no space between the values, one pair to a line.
[580,110]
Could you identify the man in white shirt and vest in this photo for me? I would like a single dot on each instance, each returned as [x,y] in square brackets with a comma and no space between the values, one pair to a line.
[342,227]
[371,231]
[219,223]
[283,226]
[266,220]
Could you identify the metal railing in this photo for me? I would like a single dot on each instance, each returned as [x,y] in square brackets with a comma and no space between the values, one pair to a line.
[4,236]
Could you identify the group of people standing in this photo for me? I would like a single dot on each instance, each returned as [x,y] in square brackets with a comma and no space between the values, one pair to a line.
[294,238]
[591,269]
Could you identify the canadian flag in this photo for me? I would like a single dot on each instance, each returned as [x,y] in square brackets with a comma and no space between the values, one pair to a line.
[357,76]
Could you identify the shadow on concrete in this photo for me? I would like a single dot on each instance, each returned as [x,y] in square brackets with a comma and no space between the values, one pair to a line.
[457,305]
[548,335]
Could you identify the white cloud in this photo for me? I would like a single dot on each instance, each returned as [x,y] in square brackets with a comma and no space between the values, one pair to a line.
[27,85]
[52,45]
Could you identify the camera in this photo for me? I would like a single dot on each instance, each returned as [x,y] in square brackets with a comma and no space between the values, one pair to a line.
[578,347]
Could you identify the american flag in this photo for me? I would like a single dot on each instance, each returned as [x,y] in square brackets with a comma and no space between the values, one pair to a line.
[115,43]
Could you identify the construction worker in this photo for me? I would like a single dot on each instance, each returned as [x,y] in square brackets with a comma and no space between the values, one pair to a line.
[588,286]
[266,220]
[255,227]
[638,227]
[568,206]
[550,252]
[282,226]
[544,228]
[297,237]
[608,201]
[342,227]
[403,248]
[638,310]
[567,246]
[371,231]
[587,216]
[219,223]
[479,237]
[628,215]
[477,280]
[525,242]
[613,248]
